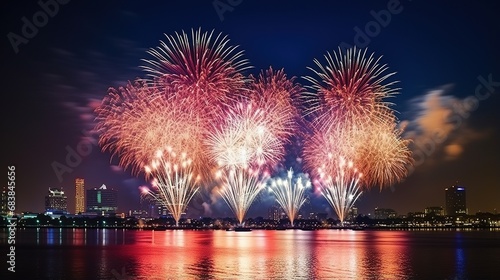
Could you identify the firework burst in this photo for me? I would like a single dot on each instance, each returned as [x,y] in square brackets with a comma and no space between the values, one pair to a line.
[352,118]
[350,90]
[244,145]
[290,195]
[278,95]
[137,120]
[174,183]
[244,139]
[202,67]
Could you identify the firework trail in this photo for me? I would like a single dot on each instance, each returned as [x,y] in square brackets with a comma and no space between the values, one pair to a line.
[174,183]
[342,189]
[240,187]
[243,146]
[290,195]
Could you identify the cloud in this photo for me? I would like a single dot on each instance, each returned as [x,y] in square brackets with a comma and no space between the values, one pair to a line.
[453,150]
[440,125]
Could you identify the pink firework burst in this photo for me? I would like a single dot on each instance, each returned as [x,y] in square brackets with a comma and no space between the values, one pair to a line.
[202,67]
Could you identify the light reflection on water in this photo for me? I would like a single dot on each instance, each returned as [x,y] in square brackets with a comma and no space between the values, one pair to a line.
[260,254]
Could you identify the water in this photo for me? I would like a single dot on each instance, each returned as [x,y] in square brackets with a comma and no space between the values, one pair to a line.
[260,254]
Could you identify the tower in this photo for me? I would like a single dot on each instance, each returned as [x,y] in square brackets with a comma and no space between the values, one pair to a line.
[55,201]
[455,200]
[102,201]
[79,196]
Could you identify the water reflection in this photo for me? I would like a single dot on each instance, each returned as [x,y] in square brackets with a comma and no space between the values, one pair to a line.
[391,252]
[260,254]
[459,257]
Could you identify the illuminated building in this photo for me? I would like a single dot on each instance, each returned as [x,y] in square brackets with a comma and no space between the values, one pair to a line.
[79,196]
[274,213]
[160,210]
[56,201]
[384,213]
[102,201]
[322,216]
[435,210]
[3,202]
[353,213]
[455,200]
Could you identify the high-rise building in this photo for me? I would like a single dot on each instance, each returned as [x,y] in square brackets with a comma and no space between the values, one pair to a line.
[102,200]
[79,196]
[56,201]
[455,200]
[353,213]
[384,213]
[434,210]
[160,209]
[3,202]
[274,213]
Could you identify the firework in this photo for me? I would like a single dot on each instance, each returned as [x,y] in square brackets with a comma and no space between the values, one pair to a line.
[136,121]
[240,187]
[174,183]
[290,195]
[278,95]
[350,90]
[352,122]
[244,139]
[352,118]
[387,153]
[203,68]
[342,189]
[243,146]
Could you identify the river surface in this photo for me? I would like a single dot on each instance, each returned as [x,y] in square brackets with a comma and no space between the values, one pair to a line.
[260,254]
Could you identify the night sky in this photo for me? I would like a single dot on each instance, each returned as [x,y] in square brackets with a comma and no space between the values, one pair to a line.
[445,55]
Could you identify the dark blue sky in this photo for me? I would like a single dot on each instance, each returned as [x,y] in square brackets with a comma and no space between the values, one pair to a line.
[437,50]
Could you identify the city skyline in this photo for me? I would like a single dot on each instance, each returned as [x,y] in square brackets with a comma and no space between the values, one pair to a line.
[447,67]
[264,209]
